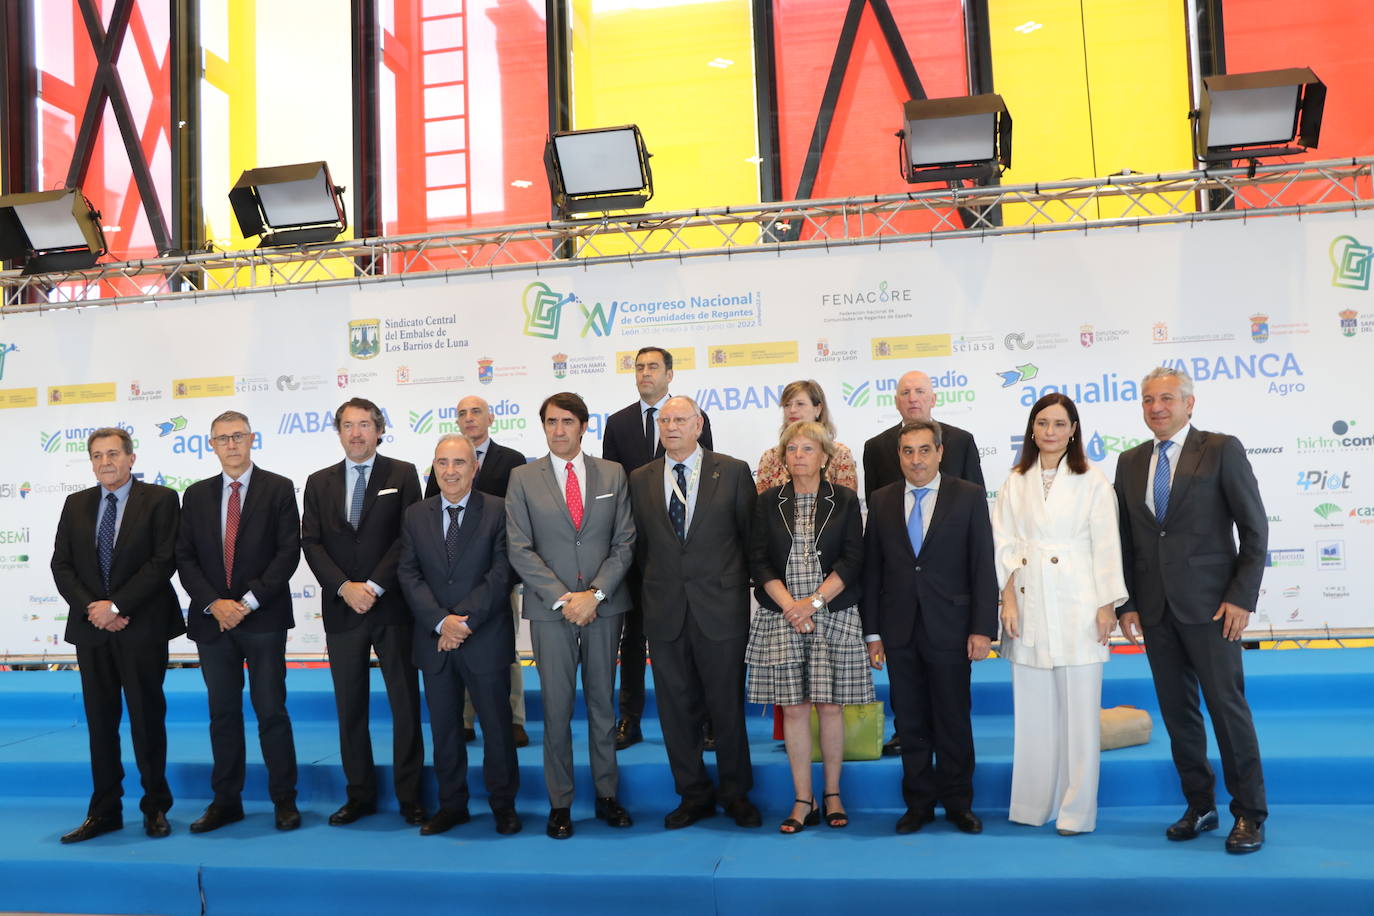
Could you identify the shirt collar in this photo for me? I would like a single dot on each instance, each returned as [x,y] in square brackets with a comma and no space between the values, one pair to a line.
[658,407]
[481,446]
[243,478]
[693,461]
[1177,438]
[463,503]
[121,493]
[932,486]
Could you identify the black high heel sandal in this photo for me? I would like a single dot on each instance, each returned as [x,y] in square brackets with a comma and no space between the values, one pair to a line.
[791,825]
[835,818]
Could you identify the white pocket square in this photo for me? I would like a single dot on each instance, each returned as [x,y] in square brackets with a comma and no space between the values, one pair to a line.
[605,496]
[387,492]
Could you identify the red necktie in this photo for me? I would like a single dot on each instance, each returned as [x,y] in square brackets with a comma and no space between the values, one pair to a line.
[231,532]
[572,492]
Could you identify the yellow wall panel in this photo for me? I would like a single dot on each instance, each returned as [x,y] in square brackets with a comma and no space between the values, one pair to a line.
[1137,55]
[685,75]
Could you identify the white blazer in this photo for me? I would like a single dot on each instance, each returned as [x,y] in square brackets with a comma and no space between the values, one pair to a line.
[1063,554]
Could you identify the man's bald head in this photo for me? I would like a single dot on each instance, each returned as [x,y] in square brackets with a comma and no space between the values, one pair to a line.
[915,396]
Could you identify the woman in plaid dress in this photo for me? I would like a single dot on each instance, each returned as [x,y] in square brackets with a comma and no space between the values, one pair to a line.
[806,642]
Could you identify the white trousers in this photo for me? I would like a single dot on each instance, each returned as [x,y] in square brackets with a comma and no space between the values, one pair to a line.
[1057,750]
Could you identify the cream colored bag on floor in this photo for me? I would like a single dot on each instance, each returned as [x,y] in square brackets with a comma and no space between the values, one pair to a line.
[1125,726]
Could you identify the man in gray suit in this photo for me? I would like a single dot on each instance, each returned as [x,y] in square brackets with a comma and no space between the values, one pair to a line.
[1183,497]
[456,579]
[571,540]
[693,510]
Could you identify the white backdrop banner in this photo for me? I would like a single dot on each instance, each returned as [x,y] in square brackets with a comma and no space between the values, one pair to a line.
[1274,318]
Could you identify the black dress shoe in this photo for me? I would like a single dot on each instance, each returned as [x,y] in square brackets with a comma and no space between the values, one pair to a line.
[350,812]
[685,815]
[522,737]
[744,813]
[914,820]
[445,820]
[156,826]
[965,821]
[893,748]
[627,733]
[216,816]
[287,816]
[507,821]
[612,812]
[560,824]
[93,827]
[1193,822]
[1246,836]
[413,813]
[469,734]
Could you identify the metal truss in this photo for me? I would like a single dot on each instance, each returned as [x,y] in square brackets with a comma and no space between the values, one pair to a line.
[1137,200]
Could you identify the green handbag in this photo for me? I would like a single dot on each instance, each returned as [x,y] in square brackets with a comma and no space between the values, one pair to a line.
[863,732]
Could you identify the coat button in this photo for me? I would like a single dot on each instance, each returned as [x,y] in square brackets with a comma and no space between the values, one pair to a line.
[1162,533]
[1023,561]
[579,543]
[1054,559]
[918,569]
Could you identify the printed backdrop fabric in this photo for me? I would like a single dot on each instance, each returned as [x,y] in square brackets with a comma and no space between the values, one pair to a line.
[1273,317]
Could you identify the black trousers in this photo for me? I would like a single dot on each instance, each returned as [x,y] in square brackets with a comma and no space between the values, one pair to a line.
[932,704]
[350,667]
[633,652]
[696,677]
[1183,658]
[137,670]
[221,664]
[490,691]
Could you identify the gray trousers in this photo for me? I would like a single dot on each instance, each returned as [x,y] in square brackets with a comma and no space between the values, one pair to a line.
[559,647]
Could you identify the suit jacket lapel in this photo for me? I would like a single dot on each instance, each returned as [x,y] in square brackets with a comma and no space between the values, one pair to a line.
[1138,479]
[381,470]
[560,500]
[707,484]
[87,528]
[1188,460]
[468,522]
[786,497]
[825,507]
[943,508]
[252,499]
[133,514]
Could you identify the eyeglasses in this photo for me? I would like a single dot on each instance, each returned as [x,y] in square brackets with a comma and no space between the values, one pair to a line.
[236,438]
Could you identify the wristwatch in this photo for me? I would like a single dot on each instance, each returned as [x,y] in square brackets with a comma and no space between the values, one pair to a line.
[818,602]
[599,595]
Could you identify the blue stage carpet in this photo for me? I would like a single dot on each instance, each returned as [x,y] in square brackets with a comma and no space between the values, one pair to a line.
[1314,710]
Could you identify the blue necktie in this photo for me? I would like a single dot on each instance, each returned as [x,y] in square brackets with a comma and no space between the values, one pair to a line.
[451,538]
[913,522]
[1162,482]
[104,540]
[355,508]
[677,510]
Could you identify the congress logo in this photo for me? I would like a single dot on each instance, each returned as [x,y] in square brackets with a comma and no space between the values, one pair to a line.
[1022,373]
[1259,327]
[1350,263]
[543,310]
[364,338]
[167,427]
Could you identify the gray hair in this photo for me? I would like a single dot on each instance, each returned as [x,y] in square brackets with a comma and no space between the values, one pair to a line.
[229,416]
[696,408]
[1185,381]
[456,437]
[104,432]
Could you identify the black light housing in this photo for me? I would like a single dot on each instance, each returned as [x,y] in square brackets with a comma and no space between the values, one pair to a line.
[598,170]
[955,139]
[1254,115]
[293,204]
[50,230]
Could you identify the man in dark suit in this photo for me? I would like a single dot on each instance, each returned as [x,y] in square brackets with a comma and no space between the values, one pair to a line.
[929,608]
[456,578]
[351,536]
[693,509]
[240,541]
[571,539]
[914,399]
[1182,496]
[494,464]
[631,440]
[113,560]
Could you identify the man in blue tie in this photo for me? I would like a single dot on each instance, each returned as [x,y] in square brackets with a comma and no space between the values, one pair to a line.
[929,607]
[350,534]
[122,610]
[1183,497]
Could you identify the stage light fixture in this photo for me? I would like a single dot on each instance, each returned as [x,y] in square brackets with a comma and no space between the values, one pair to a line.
[293,204]
[50,230]
[1254,115]
[955,139]
[598,170]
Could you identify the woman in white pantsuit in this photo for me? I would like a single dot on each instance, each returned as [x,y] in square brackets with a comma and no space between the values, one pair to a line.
[1059,565]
